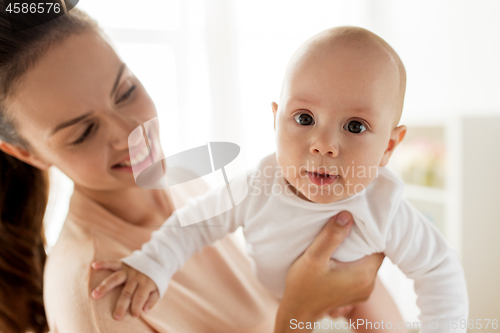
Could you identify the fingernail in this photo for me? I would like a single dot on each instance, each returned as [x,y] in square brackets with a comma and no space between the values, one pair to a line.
[146,309]
[343,218]
[117,316]
[95,294]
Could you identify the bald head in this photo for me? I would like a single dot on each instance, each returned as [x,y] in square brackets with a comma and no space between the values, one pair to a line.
[354,43]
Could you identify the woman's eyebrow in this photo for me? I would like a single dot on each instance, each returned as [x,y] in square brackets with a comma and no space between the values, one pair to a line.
[70,122]
[115,85]
[82,117]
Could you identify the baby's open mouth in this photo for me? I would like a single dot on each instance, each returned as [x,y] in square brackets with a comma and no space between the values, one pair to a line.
[321,178]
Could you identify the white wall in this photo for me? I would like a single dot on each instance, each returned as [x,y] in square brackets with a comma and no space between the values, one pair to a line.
[451,50]
[481,217]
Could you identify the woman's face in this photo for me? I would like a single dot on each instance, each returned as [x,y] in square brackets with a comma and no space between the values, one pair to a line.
[76,109]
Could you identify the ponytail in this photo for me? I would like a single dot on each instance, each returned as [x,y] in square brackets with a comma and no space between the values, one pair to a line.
[23,199]
[24,188]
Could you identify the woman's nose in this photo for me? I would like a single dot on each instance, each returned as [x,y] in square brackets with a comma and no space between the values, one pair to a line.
[326,145]
[121,129]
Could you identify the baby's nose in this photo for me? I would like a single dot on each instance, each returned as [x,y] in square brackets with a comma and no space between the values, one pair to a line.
[331,152]
[325,148]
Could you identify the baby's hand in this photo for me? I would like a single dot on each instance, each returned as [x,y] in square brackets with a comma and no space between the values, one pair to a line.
[139,289]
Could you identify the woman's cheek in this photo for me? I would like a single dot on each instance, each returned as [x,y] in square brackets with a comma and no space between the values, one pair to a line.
[84,171]
[88,161]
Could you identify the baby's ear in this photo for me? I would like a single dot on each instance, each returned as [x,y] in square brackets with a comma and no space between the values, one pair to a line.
[275,110]
[397,136]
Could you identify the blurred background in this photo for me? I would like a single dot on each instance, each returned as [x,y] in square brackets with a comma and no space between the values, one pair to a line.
[213,67]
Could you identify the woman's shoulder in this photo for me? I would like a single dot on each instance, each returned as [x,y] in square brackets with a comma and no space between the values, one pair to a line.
[69,280]
[66,275]
[73,247]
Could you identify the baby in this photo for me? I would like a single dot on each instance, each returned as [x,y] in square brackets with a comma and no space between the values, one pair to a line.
[336,128]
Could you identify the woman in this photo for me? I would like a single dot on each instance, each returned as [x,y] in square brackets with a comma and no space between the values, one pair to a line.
[68,100]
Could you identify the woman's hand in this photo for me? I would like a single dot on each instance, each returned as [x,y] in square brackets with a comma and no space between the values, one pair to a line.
[316,284]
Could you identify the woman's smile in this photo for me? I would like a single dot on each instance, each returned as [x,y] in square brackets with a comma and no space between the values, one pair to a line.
[141,157]
[140,161]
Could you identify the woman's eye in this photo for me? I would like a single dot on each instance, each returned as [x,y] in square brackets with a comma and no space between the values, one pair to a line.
[304,119]
[84,135]
[355,126]
[126,95]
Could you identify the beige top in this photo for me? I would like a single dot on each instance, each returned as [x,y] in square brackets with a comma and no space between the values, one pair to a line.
[215,291]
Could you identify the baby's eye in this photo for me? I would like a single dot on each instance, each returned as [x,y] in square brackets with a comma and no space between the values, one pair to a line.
[304,119]
[355,126]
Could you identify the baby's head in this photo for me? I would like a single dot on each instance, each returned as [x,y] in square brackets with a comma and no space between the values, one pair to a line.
[340,105]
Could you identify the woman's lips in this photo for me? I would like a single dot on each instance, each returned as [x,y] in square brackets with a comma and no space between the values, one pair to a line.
[138,168]
[321,179]
[140,161]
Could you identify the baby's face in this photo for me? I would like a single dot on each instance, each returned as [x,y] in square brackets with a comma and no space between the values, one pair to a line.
[336,121]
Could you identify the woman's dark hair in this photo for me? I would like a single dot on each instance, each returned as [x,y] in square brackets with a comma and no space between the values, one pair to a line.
[24,188]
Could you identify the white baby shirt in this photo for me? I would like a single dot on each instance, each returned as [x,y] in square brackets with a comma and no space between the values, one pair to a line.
[279,226]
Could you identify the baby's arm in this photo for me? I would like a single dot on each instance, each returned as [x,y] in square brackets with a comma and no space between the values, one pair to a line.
[172,245]
[149,270]
[417,247]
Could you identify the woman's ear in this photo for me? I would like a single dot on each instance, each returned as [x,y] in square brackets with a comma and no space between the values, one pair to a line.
[397,136]
[275,110]
[23,155]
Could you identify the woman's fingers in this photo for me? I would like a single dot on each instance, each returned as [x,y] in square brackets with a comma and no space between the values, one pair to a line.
[109,283]
[363,273]
[315,283]
[330,237]
[153,298]
[373,260]
[113,265]
[365,269]
[125,299]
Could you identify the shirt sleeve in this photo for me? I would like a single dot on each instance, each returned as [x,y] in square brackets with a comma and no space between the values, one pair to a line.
[172,245]
[420,251]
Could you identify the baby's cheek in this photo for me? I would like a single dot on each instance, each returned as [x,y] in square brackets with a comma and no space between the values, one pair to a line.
[360,176]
